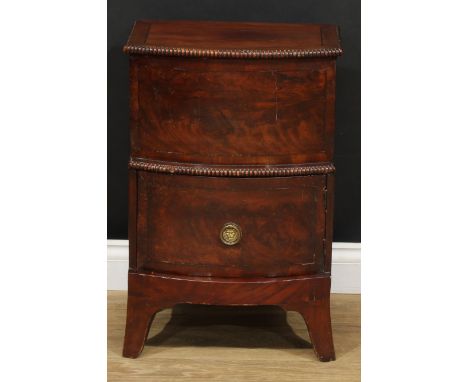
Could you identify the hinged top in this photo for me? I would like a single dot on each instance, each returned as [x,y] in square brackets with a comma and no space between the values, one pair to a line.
[233,39]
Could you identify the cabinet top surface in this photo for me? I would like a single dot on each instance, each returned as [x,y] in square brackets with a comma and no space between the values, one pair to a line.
[233,39]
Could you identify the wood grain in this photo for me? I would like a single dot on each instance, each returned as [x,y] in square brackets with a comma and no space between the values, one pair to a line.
[212,343]
[233,112]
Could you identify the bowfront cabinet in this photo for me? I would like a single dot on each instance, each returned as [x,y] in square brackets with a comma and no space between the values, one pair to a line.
[231,170]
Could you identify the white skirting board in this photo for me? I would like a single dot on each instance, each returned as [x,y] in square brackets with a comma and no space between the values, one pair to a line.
[346,266]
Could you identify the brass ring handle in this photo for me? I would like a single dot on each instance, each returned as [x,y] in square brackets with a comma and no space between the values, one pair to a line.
[230,234]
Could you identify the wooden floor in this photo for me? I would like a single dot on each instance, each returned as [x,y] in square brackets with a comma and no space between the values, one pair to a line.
[205,343]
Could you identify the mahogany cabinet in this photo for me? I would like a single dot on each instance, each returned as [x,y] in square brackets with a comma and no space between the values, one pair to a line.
[231,172]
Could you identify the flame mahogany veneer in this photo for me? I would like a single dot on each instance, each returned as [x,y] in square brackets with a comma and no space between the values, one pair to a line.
[231,177]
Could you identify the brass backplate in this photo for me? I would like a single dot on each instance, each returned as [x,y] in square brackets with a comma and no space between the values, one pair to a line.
[230,234]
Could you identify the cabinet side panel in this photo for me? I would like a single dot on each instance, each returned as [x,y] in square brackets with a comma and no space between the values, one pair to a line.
[329,221]
[132,218]
[330,109]
[134,104]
